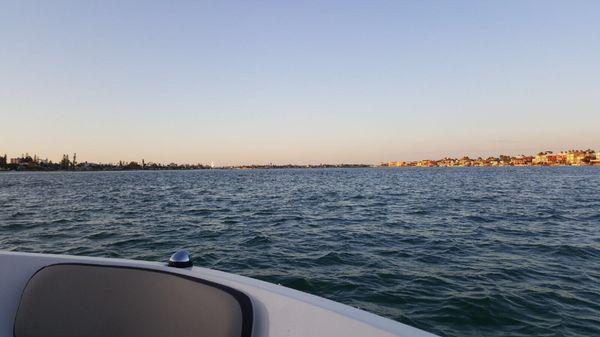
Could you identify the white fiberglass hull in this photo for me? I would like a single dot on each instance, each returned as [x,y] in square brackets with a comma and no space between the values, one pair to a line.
[278,311]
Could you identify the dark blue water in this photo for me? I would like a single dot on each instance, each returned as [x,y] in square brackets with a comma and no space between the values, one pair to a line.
[458,252]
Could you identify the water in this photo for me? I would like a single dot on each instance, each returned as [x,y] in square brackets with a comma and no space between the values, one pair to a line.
[458,252]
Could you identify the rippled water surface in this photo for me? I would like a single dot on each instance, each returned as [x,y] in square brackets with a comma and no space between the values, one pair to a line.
[458,252]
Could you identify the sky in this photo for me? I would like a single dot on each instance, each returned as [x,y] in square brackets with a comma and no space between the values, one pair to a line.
[303,82]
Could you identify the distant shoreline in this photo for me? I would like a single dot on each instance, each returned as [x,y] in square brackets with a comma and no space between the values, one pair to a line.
[332,167]
[25,168]
[546,158]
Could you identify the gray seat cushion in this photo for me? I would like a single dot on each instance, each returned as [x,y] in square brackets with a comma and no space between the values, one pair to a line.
[74,300]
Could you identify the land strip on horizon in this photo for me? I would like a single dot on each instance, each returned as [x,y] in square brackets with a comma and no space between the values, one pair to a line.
[546,158]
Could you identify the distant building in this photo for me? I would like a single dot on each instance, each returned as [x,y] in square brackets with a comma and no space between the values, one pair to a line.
[522,160]
[447,162]
[550,159]
[397,163]
[542,158]
[561,159]
[596,161]
[426,163]
[579,157]
[465,161]
[393,164]
[3,160]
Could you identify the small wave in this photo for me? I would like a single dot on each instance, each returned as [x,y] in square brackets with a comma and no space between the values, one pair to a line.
[298,283]
[54,235]
[101,235]
[13,226]
[258,240]
[60,221]
[358,197]
[20,215]
[577,251]
[264,212]
[330,258]
[198,211]
[419,212]
[129,242]
[478,219]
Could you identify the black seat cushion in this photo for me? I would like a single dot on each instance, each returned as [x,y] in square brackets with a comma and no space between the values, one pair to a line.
[75,300]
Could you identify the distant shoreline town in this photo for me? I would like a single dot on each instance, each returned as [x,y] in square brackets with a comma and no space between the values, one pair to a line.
[546,158]
[27,162]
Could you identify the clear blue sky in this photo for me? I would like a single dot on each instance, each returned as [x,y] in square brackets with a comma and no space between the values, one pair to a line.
[297,81]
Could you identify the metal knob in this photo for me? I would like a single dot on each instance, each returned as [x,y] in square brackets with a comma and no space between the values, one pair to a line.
[181,259]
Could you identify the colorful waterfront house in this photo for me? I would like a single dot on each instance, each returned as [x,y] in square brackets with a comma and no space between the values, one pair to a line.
[596,161]
[395,164]
[544,158]
[427,163]
[552,159]
[574,157]
[447,162]
[579,157]
[541,158]
[522,160]
[561,159]
[465,161]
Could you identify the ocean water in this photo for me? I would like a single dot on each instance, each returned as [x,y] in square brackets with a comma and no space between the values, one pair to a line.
[455,251]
